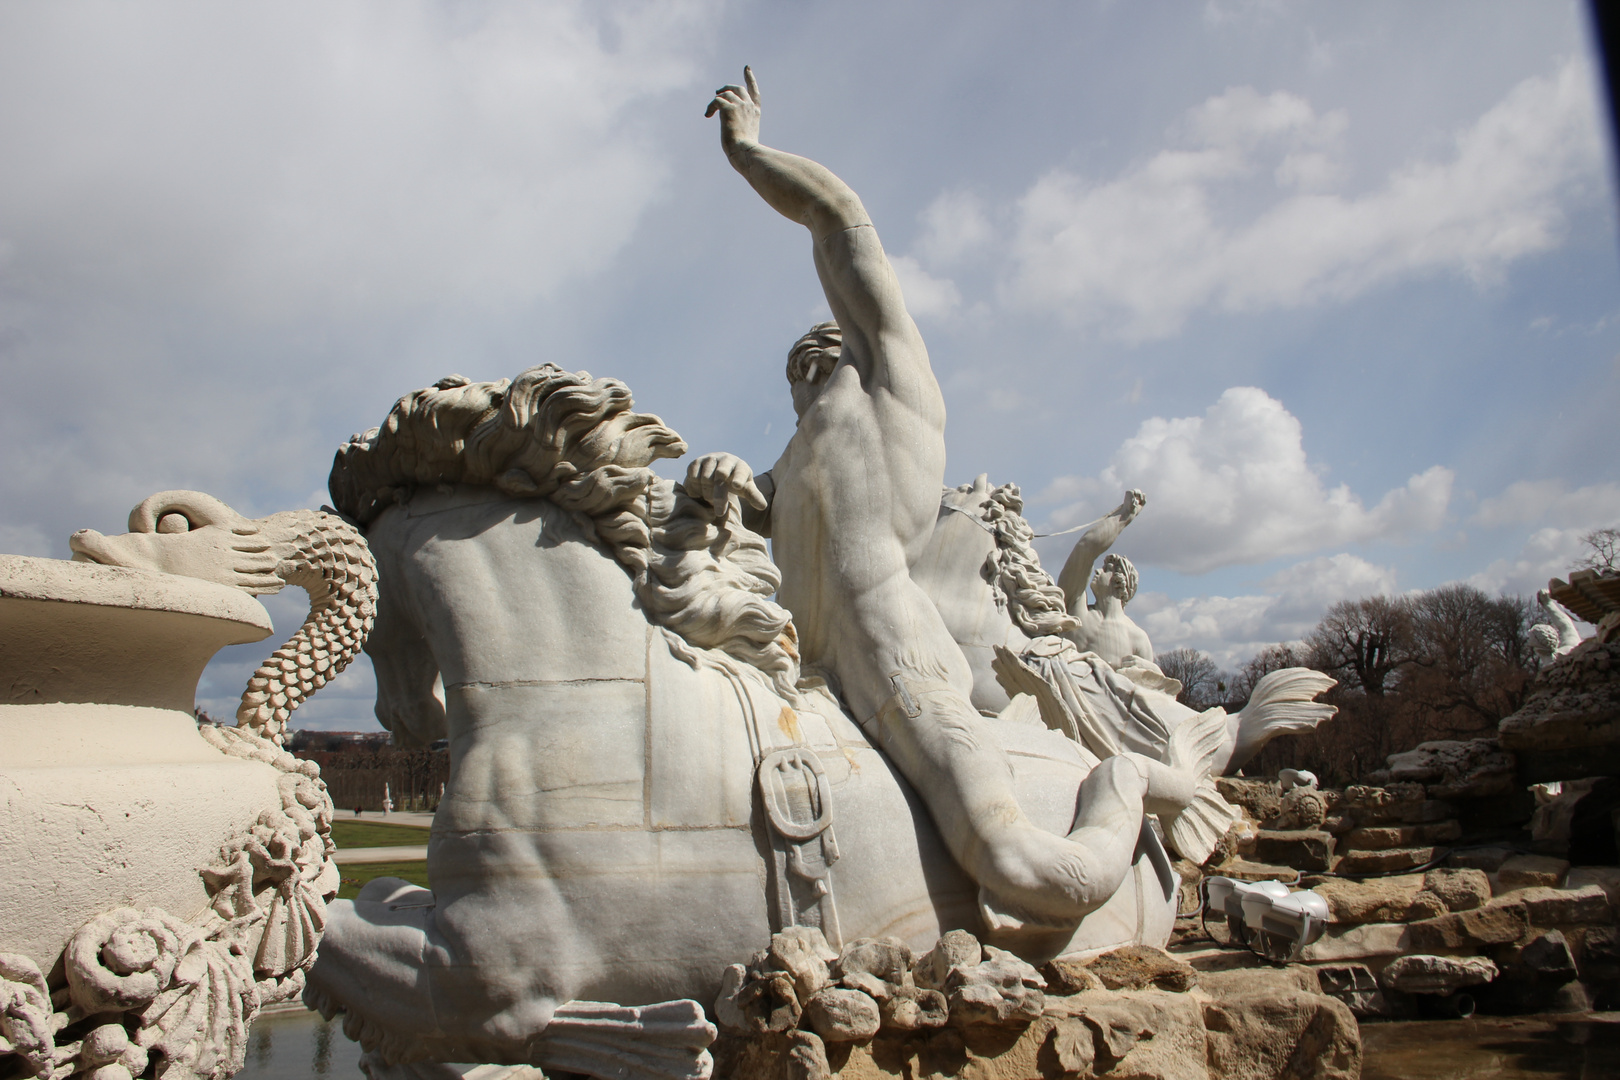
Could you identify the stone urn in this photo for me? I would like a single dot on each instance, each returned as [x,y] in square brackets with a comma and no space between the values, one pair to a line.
[161,879]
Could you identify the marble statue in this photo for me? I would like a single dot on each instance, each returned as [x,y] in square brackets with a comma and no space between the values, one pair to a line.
[1104,628]
[165,879]
[1559,639]
[668,745]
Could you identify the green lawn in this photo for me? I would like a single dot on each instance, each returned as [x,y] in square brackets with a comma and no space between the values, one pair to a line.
[353,834]
[355,876]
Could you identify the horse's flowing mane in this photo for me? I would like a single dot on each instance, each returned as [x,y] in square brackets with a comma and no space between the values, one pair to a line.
[697,572]
[1032,599]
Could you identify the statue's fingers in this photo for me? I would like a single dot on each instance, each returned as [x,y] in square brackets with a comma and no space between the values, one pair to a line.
[756,498]
[714,107]
[753,83]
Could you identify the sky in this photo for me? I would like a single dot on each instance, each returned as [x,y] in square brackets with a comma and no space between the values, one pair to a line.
[1336,285]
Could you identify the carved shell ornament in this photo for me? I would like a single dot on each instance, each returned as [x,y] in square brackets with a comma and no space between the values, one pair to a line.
[149,994]
[196,535]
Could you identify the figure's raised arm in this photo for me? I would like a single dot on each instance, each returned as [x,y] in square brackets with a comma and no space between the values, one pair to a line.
[1076,575]
[860,284]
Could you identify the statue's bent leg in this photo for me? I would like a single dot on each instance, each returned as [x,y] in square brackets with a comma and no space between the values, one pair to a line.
[936,738]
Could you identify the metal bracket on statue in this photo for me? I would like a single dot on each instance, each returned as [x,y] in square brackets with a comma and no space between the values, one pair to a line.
[803,837]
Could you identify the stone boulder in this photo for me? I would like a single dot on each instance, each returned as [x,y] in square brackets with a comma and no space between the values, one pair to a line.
[1303,849]
[841,1015]
[1381,900]
[1524,870]
[1001,989]
[1459,889]
[1422,974]
[1452,769]
[1142,967]
[1501,922]
[1270,1032]
[1573,704]
[1384,837]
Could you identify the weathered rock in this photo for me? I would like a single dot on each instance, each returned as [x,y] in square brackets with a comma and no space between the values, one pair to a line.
[1396,804]
[1384,837]
[1003,989]
[955,948]
[728,1013]
[1437,974]
[803,953]
[1574,703]
[1488,859]
[1383,862]
[1243,870]
[914,1008]
[1303,849]
[1532,870]
[839,1015]
[1599,961]
[868,984]
[1355,985]
[1476,768]
[1381,900]
[765,1002]
[1585,906]
[1459,889]
[887,958]
[1500,922]
[1065,977]
[1344,943]
[1531,976]
[807,1057]
[1606,878]
[1242,982]
[1139,967]
[1262,799]
[1268,1035]
[1154,1033]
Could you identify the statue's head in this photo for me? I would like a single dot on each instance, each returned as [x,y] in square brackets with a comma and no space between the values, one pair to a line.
[811,361]
[1117,577]
[1543,641]
[193,535]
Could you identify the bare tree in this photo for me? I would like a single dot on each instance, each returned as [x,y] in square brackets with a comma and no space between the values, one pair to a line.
[1364,643]
[1200,678]
[1603,549]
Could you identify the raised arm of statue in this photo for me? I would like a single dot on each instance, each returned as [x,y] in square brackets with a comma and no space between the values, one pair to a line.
[861,286]
[1568,635]
[1076,575]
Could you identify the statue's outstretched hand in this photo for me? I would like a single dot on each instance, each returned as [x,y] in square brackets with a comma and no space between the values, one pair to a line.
[739,113]
[1134,501]
[717,477]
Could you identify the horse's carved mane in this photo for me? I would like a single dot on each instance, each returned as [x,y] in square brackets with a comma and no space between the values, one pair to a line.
[697,572]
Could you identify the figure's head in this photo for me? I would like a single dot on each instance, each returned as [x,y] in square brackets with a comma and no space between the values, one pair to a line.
[811,360]
[1543,641]
[1116,578]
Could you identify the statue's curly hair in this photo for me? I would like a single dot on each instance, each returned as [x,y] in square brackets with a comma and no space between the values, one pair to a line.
[1022,586]
[697,572]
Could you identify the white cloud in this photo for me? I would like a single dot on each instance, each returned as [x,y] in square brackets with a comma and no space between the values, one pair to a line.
[1548,553]
[1234,486]
[955,225]
[1552,502]
[1136,255]
[926,296]
[1233,628]
[356,157]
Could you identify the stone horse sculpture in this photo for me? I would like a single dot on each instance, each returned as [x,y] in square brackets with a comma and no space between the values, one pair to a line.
[642,789]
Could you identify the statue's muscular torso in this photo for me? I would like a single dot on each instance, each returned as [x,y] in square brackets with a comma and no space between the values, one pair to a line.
[856,497]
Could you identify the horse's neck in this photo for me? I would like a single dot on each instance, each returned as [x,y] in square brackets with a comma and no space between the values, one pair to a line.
[510,589]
